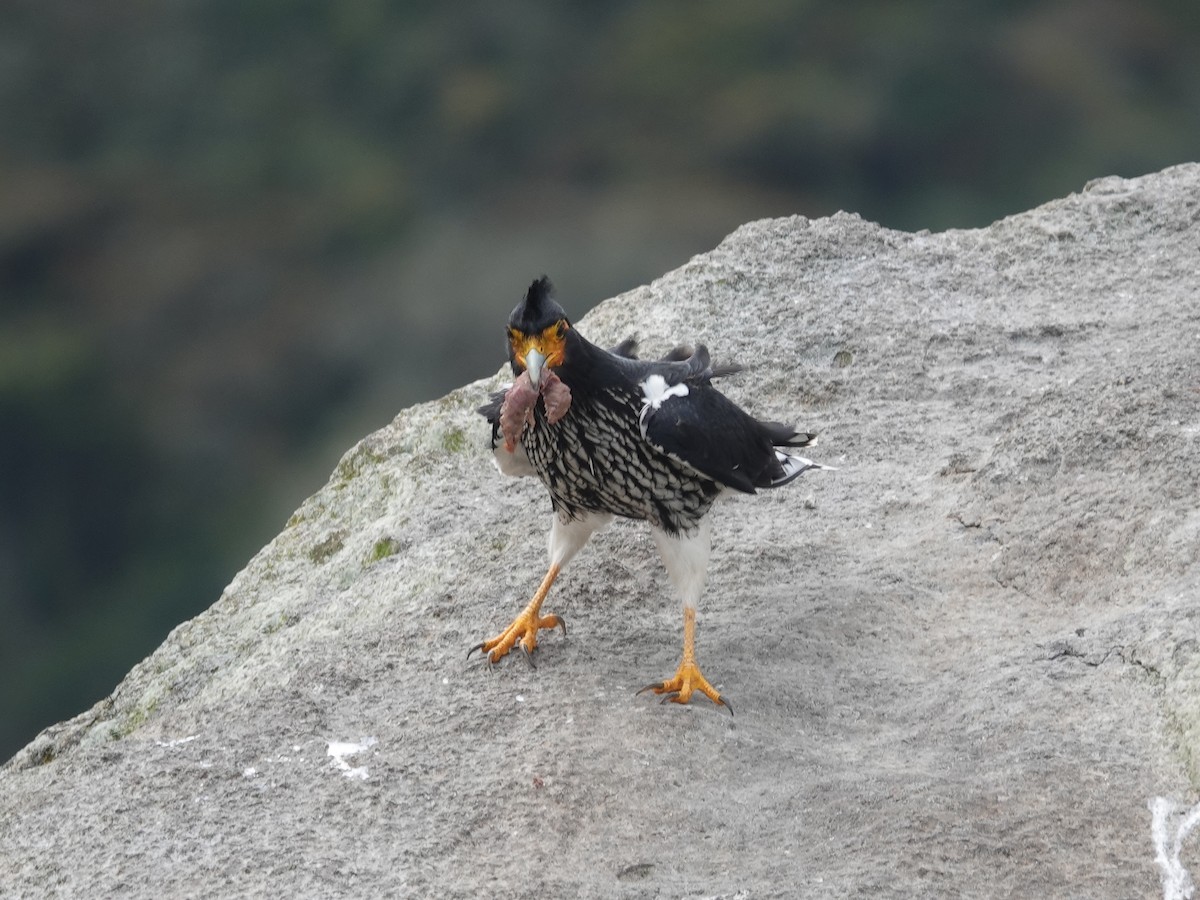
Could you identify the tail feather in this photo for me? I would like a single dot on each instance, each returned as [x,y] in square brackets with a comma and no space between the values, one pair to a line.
[788,435]
[793,467]
[790,467]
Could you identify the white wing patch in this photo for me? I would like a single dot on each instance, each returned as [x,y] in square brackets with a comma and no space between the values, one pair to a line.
[655,393]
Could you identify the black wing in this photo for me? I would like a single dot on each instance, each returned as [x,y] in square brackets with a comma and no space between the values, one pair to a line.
[686,417]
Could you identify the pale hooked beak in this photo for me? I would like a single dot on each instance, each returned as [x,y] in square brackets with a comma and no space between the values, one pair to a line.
[533,365]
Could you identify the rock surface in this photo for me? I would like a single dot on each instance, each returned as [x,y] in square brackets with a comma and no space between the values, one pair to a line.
[965,664]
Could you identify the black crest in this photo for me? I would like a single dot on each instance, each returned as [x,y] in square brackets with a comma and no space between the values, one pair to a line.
[538,310]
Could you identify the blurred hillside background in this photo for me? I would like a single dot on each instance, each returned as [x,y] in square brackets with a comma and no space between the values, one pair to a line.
[237,235]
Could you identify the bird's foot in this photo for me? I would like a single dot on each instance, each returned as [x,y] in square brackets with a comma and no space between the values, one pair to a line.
[686,680]
[524,628]
[523,632]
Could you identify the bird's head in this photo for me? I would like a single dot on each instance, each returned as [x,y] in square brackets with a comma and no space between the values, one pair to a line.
[537,332]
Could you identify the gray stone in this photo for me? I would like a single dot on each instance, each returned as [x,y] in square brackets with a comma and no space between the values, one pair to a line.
[965,664]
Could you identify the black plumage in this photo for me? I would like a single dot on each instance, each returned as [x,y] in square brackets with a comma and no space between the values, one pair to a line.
[609,434]
[615,453]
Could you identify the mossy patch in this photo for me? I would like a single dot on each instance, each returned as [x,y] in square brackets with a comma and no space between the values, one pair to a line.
[327,548]
[454,441]
[354,463]
[134,720]
[280,621]
[384,547]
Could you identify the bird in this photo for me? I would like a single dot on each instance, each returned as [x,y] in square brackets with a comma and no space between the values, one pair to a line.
[608,435]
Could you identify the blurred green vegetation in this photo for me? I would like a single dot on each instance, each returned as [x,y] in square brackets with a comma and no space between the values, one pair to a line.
[234,236]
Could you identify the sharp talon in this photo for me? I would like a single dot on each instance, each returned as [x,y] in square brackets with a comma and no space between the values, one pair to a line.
[649,687]
[524,628]
[528,656]
[553,621]
[686,682]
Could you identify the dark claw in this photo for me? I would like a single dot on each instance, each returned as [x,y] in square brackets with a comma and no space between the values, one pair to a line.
[671,696]
[563,623]
[528,656]
[484,656]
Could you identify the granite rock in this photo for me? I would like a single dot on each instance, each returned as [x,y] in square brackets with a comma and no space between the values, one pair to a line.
[964,664]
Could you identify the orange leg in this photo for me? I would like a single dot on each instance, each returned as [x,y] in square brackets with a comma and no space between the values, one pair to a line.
[687,678]
[524,627]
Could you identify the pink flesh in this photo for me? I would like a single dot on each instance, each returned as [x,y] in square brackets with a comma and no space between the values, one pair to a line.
[517,408]
[557,397]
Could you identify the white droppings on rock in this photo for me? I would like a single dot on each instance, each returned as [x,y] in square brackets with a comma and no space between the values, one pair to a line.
[341,751]
[1177,881]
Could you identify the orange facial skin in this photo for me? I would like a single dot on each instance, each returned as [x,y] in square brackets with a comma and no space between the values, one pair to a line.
[550,342]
